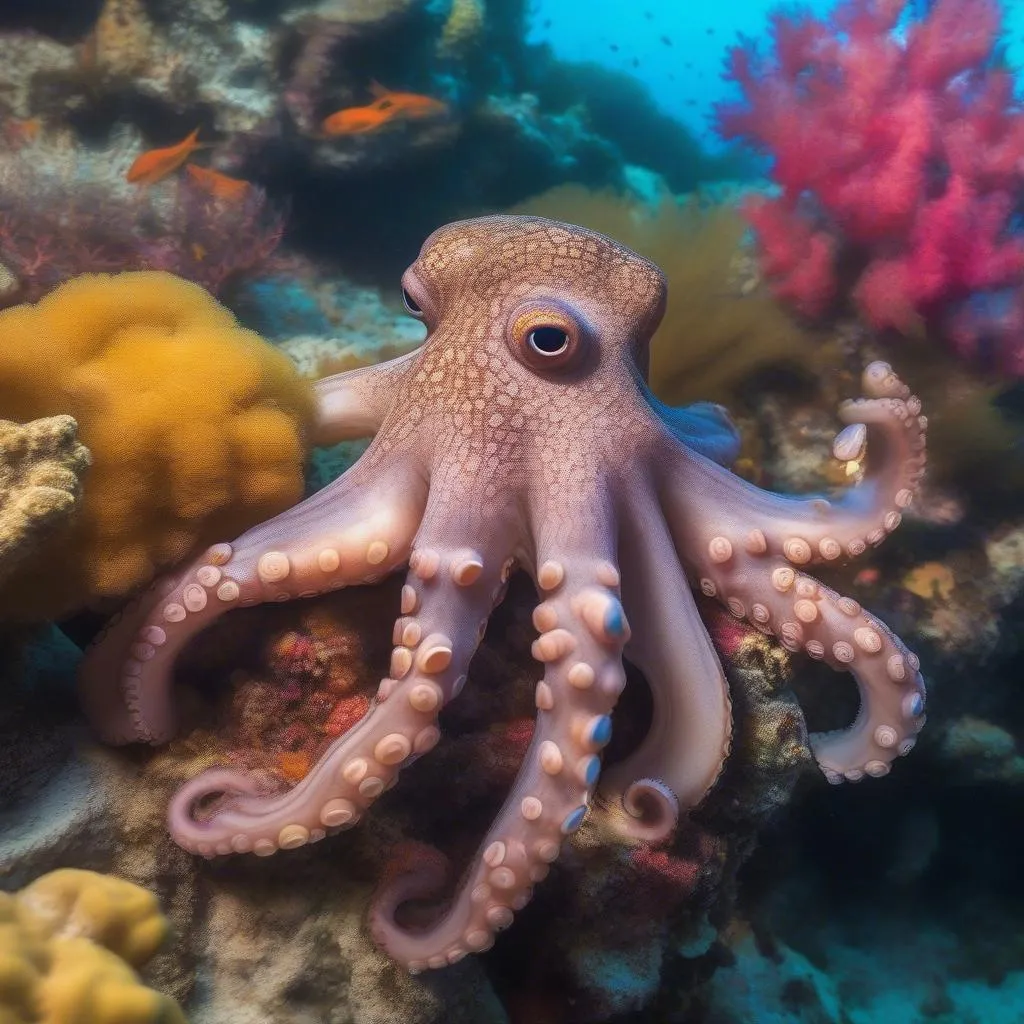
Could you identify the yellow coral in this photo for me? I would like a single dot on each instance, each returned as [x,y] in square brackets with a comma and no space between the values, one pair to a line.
[462,28]
[197,428]
[41,465]
[66,946]
[721,324]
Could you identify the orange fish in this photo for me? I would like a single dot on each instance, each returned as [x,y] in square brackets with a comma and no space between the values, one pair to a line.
[412,105]
[217,184]
[356,120]
[387,106]
[155,164]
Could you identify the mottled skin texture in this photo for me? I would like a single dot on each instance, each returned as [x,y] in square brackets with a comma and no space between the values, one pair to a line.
[522,434]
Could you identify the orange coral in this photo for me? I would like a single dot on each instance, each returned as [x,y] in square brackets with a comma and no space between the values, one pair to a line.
[197,428]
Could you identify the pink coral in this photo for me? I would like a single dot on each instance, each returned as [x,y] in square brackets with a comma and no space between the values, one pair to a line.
[899,155]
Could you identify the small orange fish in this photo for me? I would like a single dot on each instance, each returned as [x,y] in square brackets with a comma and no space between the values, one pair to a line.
[155,164]
[386,107]
[220,185]
[412,105]
[356,120]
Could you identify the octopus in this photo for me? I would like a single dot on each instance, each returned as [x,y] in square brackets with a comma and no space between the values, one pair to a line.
[521,435]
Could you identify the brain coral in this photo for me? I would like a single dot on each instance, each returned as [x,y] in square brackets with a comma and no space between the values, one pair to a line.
[197,429]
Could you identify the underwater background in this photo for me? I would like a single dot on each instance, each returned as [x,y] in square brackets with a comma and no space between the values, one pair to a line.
[693,623]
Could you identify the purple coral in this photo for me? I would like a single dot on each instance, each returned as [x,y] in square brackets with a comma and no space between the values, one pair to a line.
[52,230]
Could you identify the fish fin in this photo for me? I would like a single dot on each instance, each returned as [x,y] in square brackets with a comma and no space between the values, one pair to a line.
[193,143]
[377,90]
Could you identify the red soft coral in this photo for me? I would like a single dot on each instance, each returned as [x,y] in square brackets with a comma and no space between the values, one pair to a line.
[898,158]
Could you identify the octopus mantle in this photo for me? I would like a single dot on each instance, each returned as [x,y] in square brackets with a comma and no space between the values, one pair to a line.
[522,433]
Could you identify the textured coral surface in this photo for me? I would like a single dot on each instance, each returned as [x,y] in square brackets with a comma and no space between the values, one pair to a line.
[41,470]
[899,157]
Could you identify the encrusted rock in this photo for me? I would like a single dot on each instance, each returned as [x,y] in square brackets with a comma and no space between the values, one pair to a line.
[41,469]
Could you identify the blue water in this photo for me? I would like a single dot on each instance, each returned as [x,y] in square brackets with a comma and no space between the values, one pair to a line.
[676,47]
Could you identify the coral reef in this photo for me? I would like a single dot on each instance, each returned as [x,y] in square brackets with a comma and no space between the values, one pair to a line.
[893,234]
[41,470]
[65,211]
[449,468]
[70,942]
[193,424]
[251,944]
[899,161]
[720,324]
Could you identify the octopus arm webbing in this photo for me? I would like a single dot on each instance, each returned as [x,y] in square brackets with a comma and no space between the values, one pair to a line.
[353,404]
[124,679]
[683,753]
[704,427]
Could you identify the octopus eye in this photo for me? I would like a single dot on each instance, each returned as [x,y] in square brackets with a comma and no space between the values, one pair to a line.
[548,341]
[546,336]
[410,304]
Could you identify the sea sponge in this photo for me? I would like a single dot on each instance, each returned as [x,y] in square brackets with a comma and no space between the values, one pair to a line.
[721,324]
[41,466]
[68,943]
[197,428]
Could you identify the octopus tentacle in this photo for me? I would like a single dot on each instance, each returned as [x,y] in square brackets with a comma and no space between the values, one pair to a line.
[354,404]
[446,601]
[691,727]
[124,681]
[583,629]
[808,616]
[887,424]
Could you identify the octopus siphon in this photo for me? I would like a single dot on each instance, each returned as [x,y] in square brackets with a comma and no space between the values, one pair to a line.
[522,435]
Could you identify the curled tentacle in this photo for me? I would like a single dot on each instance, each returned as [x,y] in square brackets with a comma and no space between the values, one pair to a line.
[354,404]
[354,532]
[583,629]
[723,513]
[888,427]
[446,601]
[688,742]
[808,616]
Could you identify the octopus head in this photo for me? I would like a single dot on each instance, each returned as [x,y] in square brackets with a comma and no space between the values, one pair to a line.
[560,300]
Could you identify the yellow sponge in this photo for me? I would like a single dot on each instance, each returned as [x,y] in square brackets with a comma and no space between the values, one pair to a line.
[66,946]
[197,429]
